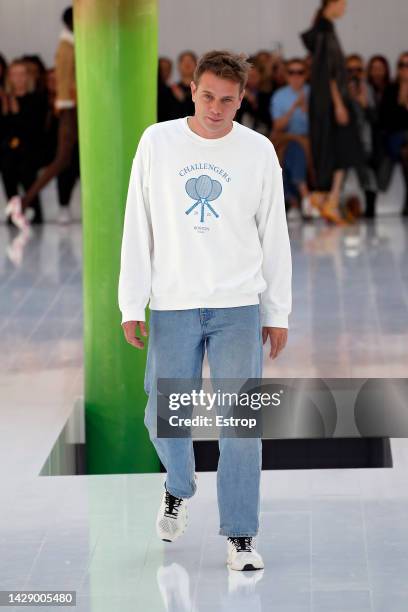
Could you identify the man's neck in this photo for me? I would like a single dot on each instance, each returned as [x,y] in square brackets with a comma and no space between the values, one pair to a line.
[195,127]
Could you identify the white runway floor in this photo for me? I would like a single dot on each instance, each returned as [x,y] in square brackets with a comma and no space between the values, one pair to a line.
[332,540]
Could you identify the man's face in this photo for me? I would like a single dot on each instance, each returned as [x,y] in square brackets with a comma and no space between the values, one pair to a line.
[296,75]
[216,102]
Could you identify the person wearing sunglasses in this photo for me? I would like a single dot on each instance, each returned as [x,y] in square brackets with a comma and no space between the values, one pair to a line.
[394,121]
[362,98]
[289,111]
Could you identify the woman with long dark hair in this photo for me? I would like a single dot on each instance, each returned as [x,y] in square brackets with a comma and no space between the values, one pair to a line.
[394,121]
[379,76]
[22,120]
[333,131]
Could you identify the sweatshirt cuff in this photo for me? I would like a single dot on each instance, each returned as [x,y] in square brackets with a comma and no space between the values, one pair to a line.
[274,319]
[135,313]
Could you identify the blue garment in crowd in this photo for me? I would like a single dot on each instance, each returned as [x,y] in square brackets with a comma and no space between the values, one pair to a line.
[281,102]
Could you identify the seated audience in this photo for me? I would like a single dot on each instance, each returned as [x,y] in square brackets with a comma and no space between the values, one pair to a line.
[275,104]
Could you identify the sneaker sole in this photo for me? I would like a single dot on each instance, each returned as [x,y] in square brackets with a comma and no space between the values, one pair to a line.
[174,539]
[248,567]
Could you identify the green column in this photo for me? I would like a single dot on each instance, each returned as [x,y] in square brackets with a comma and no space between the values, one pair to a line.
[116,67]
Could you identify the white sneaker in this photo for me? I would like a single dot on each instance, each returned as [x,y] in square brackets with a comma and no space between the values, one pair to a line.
[64,217]
[242,555]
[172,517]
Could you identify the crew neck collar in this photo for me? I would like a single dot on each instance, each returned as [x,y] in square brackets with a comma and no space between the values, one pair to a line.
[211,142]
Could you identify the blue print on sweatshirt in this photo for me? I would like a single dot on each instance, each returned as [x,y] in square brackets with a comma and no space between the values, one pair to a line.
[204,190]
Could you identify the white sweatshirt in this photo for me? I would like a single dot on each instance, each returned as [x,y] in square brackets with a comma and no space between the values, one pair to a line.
[205,225]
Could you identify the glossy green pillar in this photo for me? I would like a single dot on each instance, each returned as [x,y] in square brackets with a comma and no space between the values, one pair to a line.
[116,67]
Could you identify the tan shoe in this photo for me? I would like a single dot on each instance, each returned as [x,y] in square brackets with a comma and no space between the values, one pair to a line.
[317,199]
[330,211]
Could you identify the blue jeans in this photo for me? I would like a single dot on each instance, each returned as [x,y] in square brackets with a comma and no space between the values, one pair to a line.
[233,339]
[294,168]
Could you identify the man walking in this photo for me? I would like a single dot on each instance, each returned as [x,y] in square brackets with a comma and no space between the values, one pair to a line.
[205,240]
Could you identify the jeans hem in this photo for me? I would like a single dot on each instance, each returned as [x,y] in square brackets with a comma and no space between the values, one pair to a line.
[176,493]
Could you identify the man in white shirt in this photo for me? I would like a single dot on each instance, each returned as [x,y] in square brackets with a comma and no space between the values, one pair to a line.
[205,242]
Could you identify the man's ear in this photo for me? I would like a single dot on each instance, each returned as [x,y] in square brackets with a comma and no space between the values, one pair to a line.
[241,96]
[193,90]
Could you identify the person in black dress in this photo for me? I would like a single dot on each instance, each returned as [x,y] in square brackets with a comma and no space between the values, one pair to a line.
[334,136]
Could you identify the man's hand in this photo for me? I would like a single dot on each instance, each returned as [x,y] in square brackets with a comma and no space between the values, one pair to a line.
[129,329]
[278,336]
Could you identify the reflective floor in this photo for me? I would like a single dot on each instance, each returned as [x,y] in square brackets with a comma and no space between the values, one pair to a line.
[332,540]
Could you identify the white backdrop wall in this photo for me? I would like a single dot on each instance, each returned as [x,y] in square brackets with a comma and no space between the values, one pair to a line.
[370,26]
[30,26]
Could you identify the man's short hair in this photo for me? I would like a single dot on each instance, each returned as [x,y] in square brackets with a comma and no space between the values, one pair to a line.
[224,64]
